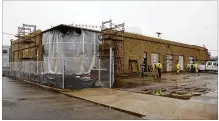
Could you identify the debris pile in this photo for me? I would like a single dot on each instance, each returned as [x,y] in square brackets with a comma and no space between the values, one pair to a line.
[184,93]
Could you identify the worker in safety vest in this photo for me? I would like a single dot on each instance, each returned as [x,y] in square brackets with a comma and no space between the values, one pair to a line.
[142,69]
[196,67]
[178,67]
[188,67]
[159,67]
[154,70]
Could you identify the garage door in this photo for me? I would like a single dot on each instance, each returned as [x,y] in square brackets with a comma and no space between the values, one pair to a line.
[181,60]
[154,58]
[169,62]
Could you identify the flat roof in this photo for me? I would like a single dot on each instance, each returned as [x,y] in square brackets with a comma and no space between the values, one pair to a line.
[127,34]
[153,39]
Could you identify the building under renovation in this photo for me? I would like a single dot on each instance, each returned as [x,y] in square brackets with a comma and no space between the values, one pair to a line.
[135,49]
[57,55]
[65,56]
[132,49]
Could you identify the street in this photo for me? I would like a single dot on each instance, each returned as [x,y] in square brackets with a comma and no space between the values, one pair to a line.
[21,101]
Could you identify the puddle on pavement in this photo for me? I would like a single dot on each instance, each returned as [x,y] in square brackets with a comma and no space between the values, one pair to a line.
[22,99]
[184,93]
[186,78]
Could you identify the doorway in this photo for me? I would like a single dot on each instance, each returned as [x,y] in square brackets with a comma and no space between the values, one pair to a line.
[181,60]
[145,61]
[169,63]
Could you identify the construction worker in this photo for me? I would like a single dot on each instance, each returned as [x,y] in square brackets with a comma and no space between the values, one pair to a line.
[154,70]
[178,67]
[196,68]
[159,67]
[142,69]
[188,67]
[193,67]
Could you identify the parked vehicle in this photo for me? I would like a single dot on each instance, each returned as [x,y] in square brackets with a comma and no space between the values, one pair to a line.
[209,66]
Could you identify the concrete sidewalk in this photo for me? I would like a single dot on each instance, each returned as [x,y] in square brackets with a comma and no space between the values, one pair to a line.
[152,107]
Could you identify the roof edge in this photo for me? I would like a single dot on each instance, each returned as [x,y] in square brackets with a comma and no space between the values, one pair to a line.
[64,25]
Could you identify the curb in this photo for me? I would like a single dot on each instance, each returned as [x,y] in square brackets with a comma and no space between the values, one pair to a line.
[43,86]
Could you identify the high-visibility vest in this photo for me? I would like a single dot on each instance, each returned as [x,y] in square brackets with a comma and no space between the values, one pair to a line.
[159,65]
[178,66]
[153,66]
[196,65]
[188,65]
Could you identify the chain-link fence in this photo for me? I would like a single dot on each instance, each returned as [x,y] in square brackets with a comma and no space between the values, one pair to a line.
[36,71]
[5,71]
[104,72]
[101,75]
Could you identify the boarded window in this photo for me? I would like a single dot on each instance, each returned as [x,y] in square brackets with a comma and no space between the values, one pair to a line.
[133,65]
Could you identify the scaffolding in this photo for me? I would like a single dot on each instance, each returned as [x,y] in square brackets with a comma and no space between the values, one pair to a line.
[117,43]
[26,36]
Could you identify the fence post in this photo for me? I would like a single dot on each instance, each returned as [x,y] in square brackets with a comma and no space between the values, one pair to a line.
[99,72]
[113,80]
[110,71]
[63,74]
[42,72]
[29,65]
[20,64]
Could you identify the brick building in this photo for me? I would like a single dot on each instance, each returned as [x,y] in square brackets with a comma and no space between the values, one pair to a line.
[132,49]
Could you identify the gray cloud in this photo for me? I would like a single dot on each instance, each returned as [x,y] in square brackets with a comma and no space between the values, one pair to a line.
[192,22]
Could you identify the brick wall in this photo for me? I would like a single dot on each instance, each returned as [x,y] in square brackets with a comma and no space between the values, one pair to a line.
[135,45]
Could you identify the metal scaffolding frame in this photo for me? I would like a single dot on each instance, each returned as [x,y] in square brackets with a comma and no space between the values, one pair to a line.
[26,35]
[117,44]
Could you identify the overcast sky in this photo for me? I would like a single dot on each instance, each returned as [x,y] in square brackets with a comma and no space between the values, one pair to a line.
[191,22]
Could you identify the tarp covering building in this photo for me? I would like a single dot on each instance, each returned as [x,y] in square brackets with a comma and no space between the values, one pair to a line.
[70,51]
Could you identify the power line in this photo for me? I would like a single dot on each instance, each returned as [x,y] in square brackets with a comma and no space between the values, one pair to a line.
[8,34]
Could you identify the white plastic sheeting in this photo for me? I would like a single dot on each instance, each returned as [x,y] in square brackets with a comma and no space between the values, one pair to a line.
[76,51]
